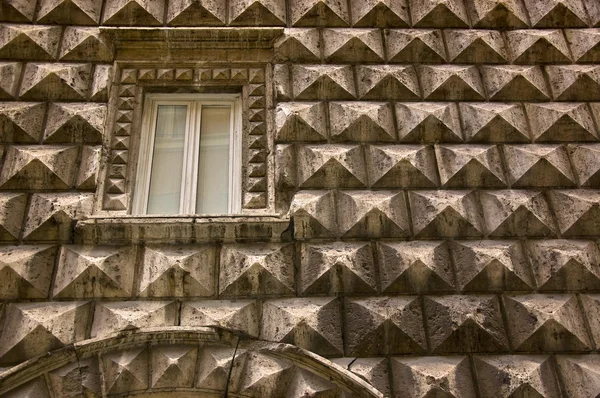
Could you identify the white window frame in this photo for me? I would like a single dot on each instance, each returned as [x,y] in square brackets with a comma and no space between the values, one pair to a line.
[189,181]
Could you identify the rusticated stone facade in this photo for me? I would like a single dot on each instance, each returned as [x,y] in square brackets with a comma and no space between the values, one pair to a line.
[421,200]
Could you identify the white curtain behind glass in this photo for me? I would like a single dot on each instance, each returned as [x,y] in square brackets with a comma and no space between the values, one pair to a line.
[213,170]
[167,161]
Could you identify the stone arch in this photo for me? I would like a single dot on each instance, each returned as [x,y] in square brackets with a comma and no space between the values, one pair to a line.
[180,362]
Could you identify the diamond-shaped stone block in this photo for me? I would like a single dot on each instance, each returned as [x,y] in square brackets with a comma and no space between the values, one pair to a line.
[470,166]
[539,165]
[32,329]
[314,324]
[415,45]
[515,82]
[75,122]
[353,45]
[447,376]
[557,13]
[465,324]
[173,366]
[256,270]
[338,267]
[26,271]
[498,13]
[379,13]
[330,166]
[257,12]
[451,82]
[113,317]
[387,82]
[556,121]
[298,45]
[577,211]
[361,121]
[29,42]
[401,166]
[494,122]
[586,163]
[584,44]
[101,82]
[384,325]
[517,213]
[314,213]
[55,81]
[88,170]
[438,13]
[475,46]
[133,12]
[12,210]
[428,122]
[21,121]
[513,375]
[238,315]
[196,13]
[417,266]
[67,12]
[85,44]
[529,46]
[445,213]
[125,371]
[17,10]
[574,82]
[300,121]
[94,271]
[319,13]
[312,82]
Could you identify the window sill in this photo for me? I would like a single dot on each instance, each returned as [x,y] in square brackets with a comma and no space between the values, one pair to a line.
[182,229]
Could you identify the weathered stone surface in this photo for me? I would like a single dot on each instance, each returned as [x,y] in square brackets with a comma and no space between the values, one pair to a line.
[428,122]
[445,213]
[173,366]
[21,122]
[112,317]
[250,270]
[379,13]
[101,82]
[432,376]
[555,13]
[32,329]
[33,389]
[586,163]
[331,166]
[315,211]
[125,371]
[540,322]
[475,46]
[82,377]
[574,82]
[511,82]
[239,315]
[319,13]
[451,82]
[580,374]
[497,13]
[17,10]
[465,324]
[26,271]
[10,73]
[76,12]
[538,166]
[87,176]
[537,46]
[299,45]
[35,42]
[133,12]
[417,266]
[361,121]
[75,122]
[415,45]
[338,267]
[577,211]
[374,370]
[55,81]
[353,45]
[401,166]
[494,122]
[301,121]
[270,376]
[470,166]
[557,121]
[382,326]
[257,12]
[314,324]
[383,82]
[584,43]
[438,13]
[491,266]
[85,44]
[12,211]
[196,13]
[313,82]
[177,271]
[505,376]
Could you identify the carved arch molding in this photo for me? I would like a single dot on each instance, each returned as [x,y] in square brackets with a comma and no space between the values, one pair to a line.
[178,362]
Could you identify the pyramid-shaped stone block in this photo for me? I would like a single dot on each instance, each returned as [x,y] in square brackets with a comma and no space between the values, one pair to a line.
[338,267]
[121,316]
[584,44]
[491,266]
[494,122]
[125,371]
[173,366]
[540,322]
[133,12]
[75,12]
[402,166]
[177,271]
[17,10]
[10,73]
[415,45]
[101,82]
[517,213]
[451,82]
[257,375]
[447,376]
[574,82]
[361,121]
[384,325]
[88,169]
[445,213]
[85,44]
[581,374]
[32,329]
[330,166]
[313,82]
[315,213]
[21,122]
[470,166]
[438,13]
[12,210]
[196,13]
[215,363]
[353,45]
[307,384]
[55,81]
[94,271]
[512,375]
[299,45]
[387,82]
[300,121]
[586,163]
[591,306]
[557,13]
[372,214]
[26,271]
[257,12]
[428,122]
[29,42]
[498,13]
[285,167]
[314,324]
[81,377]
[475,46]
[256,270]
[379,13]
[319,13]
[465,324]
[538,165]
[39,167]
[503,82]
[529,46]
[417,266]
[556,121]
[238,315]
[577,211]
[75,122]
[374,370]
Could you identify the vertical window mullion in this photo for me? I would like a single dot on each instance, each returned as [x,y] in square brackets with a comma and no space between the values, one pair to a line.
[147,161]
[189,139]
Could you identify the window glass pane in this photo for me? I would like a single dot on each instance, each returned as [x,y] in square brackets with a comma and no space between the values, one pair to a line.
[213,170]
[167,160]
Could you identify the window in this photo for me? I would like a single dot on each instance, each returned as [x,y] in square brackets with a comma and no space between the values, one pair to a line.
[190,161]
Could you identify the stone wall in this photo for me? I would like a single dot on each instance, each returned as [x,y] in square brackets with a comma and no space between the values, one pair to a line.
[421,195]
